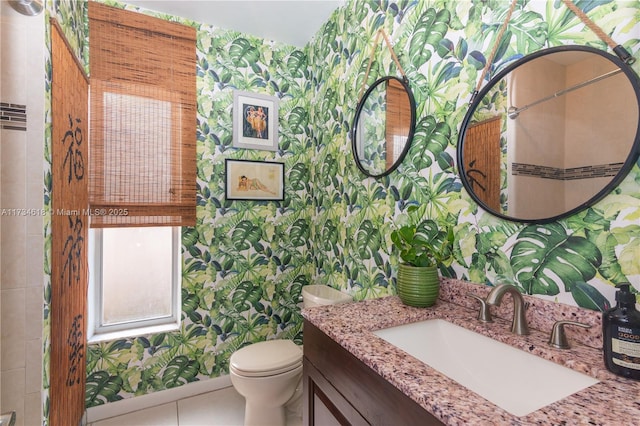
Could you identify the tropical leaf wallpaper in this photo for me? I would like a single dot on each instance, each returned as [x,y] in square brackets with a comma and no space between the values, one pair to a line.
[244,263]
[443,47]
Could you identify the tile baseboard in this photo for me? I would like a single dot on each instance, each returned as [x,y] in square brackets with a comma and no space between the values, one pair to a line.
[129,405]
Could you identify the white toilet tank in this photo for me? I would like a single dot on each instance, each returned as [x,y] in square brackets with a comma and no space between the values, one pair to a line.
[318,295]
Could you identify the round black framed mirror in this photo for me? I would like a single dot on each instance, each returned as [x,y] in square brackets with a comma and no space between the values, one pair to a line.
[383,126]
[551,134]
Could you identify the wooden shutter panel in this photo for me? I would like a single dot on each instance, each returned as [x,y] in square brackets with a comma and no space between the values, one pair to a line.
[69,224]
[482,158]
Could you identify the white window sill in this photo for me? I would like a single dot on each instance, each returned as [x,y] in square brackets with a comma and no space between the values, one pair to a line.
[132,332]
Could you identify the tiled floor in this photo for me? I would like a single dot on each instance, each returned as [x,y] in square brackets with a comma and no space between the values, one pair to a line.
[224,407]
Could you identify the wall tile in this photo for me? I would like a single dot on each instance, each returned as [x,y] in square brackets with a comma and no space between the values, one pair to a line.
[13,310]
[33,313]
[33,409]
[13,60]
[13,194]
[22,49]
[33,357]
[14,152]
[34,261]
[35,220]
[34,173]
[13,382]
[6,78]
[14,243]
[12,352]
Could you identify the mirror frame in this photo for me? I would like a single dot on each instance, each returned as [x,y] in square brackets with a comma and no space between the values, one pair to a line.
[354,128]
[634,152]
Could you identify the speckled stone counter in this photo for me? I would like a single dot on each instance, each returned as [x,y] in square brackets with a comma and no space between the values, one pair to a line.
[612,401]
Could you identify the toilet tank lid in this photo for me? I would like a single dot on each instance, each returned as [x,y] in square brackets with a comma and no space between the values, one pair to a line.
[266,356]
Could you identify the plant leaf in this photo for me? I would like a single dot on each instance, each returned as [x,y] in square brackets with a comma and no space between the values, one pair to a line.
[242,53]
[245,296]
[431,28]
[102,388]
[545,253]
[179,371]
[588,297]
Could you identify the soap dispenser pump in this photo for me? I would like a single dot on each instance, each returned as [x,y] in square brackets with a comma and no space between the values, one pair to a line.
[621,335]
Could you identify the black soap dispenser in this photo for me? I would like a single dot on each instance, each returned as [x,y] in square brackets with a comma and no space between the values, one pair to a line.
[621,335]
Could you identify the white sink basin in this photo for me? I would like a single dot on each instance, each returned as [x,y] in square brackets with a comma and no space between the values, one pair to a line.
[512,379]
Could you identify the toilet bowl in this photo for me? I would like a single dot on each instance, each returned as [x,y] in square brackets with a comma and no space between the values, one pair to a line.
[269,374]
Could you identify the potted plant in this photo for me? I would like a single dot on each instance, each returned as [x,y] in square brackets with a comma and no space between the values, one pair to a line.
[422,248]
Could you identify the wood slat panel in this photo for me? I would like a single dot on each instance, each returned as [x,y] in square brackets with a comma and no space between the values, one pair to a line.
[482,160]
[69,200]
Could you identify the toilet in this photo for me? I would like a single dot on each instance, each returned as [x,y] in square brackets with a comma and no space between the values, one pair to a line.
[269,374]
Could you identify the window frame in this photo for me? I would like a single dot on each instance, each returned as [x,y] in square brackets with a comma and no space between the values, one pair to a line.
[97,332]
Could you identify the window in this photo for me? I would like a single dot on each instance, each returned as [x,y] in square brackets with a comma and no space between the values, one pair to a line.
[134,281]
[142,169]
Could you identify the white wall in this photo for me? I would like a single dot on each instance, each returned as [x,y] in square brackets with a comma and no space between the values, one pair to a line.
[536,133]
[21,233]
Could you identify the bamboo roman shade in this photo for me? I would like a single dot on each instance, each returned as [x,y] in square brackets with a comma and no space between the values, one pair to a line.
[143,120]
[398,121]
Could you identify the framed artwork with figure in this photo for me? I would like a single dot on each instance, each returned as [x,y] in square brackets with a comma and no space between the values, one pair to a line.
[255,121]
[254,180]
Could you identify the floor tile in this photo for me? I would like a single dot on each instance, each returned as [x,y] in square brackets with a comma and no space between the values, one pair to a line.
[220,408]
[224,407]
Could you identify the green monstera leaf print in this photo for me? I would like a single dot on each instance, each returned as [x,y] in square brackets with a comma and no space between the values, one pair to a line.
[243,53]
[245,235]
[368,240]
[587,296]
[246,295]
[430,136]
[430,30]
[179,371]
[102,388]
[546,253]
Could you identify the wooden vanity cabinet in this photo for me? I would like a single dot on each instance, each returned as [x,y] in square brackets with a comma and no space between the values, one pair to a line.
[339,389]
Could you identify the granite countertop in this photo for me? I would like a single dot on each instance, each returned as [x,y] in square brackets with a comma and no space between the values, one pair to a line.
[612,401]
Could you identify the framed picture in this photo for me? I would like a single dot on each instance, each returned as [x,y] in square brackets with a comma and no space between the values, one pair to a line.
[255,121]
[254,180]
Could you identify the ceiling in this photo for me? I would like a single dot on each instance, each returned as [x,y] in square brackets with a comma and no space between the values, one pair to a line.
[293,22]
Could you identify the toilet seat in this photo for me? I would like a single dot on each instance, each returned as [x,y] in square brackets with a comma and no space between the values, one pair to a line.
[265,359]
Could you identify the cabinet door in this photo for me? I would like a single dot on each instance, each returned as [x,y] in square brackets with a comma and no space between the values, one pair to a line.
[323,404]
[356,392]
[323,410]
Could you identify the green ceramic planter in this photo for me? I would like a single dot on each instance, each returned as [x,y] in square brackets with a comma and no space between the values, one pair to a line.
[418,286]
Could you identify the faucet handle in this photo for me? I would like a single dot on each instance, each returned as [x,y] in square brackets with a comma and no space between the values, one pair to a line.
[484,314]
[558,338]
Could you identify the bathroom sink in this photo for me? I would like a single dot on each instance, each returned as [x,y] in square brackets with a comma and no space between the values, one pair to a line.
[517,381]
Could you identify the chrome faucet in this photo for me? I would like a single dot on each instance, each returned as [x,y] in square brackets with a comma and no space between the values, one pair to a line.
[558,337]
[519,323]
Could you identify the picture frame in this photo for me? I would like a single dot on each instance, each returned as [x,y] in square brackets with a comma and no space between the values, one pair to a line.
[254,180]
[255,121]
